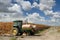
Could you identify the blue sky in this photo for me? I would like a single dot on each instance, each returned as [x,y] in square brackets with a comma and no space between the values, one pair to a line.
[57,6]
[34,11]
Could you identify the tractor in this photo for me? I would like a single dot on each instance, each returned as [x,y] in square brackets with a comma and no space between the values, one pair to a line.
[17,27]
[19,30]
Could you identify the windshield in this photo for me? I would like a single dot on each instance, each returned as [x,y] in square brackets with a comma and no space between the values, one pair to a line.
[15,24]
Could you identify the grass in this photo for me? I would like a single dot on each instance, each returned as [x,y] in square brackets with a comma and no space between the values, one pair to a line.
[13,38]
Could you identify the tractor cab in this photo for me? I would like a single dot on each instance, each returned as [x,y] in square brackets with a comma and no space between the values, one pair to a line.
[17,24]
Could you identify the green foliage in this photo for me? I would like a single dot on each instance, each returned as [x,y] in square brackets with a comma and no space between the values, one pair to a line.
[13,38]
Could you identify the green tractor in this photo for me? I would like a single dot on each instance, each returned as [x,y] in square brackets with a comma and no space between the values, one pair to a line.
[17,28]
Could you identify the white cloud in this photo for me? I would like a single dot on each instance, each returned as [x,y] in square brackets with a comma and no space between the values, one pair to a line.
[5,1]
[48,12]
[35,18]
[56,15]
[26,5]
[9,13]
[17,11]
[3,6]
[5,17]
[15,8]
[53,20]
[46,4]
[19,1]
[35,5]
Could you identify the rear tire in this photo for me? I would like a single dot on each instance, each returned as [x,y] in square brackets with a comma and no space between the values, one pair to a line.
[20,33]
[31,33]
[15,31]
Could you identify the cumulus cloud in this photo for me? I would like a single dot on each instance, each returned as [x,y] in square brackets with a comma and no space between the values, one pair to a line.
[26,5]
[56,15]
[15,8]
[35,4]
[5,1]
[53,20]
[35,18]
[3,7]
[7,17]
[4,17]
[10,12]
[46,4]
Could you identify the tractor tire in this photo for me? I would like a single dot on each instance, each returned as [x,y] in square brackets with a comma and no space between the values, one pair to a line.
[32,33]
[21,34]
[15,31]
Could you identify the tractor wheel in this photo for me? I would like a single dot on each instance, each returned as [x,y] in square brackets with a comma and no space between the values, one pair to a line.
[20,33]
[32,33]
[15,31]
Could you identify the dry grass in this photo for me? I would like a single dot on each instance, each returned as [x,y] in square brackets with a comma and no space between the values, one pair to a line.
[5,27]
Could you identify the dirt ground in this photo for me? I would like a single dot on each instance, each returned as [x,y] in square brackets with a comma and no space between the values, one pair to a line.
[22,38]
